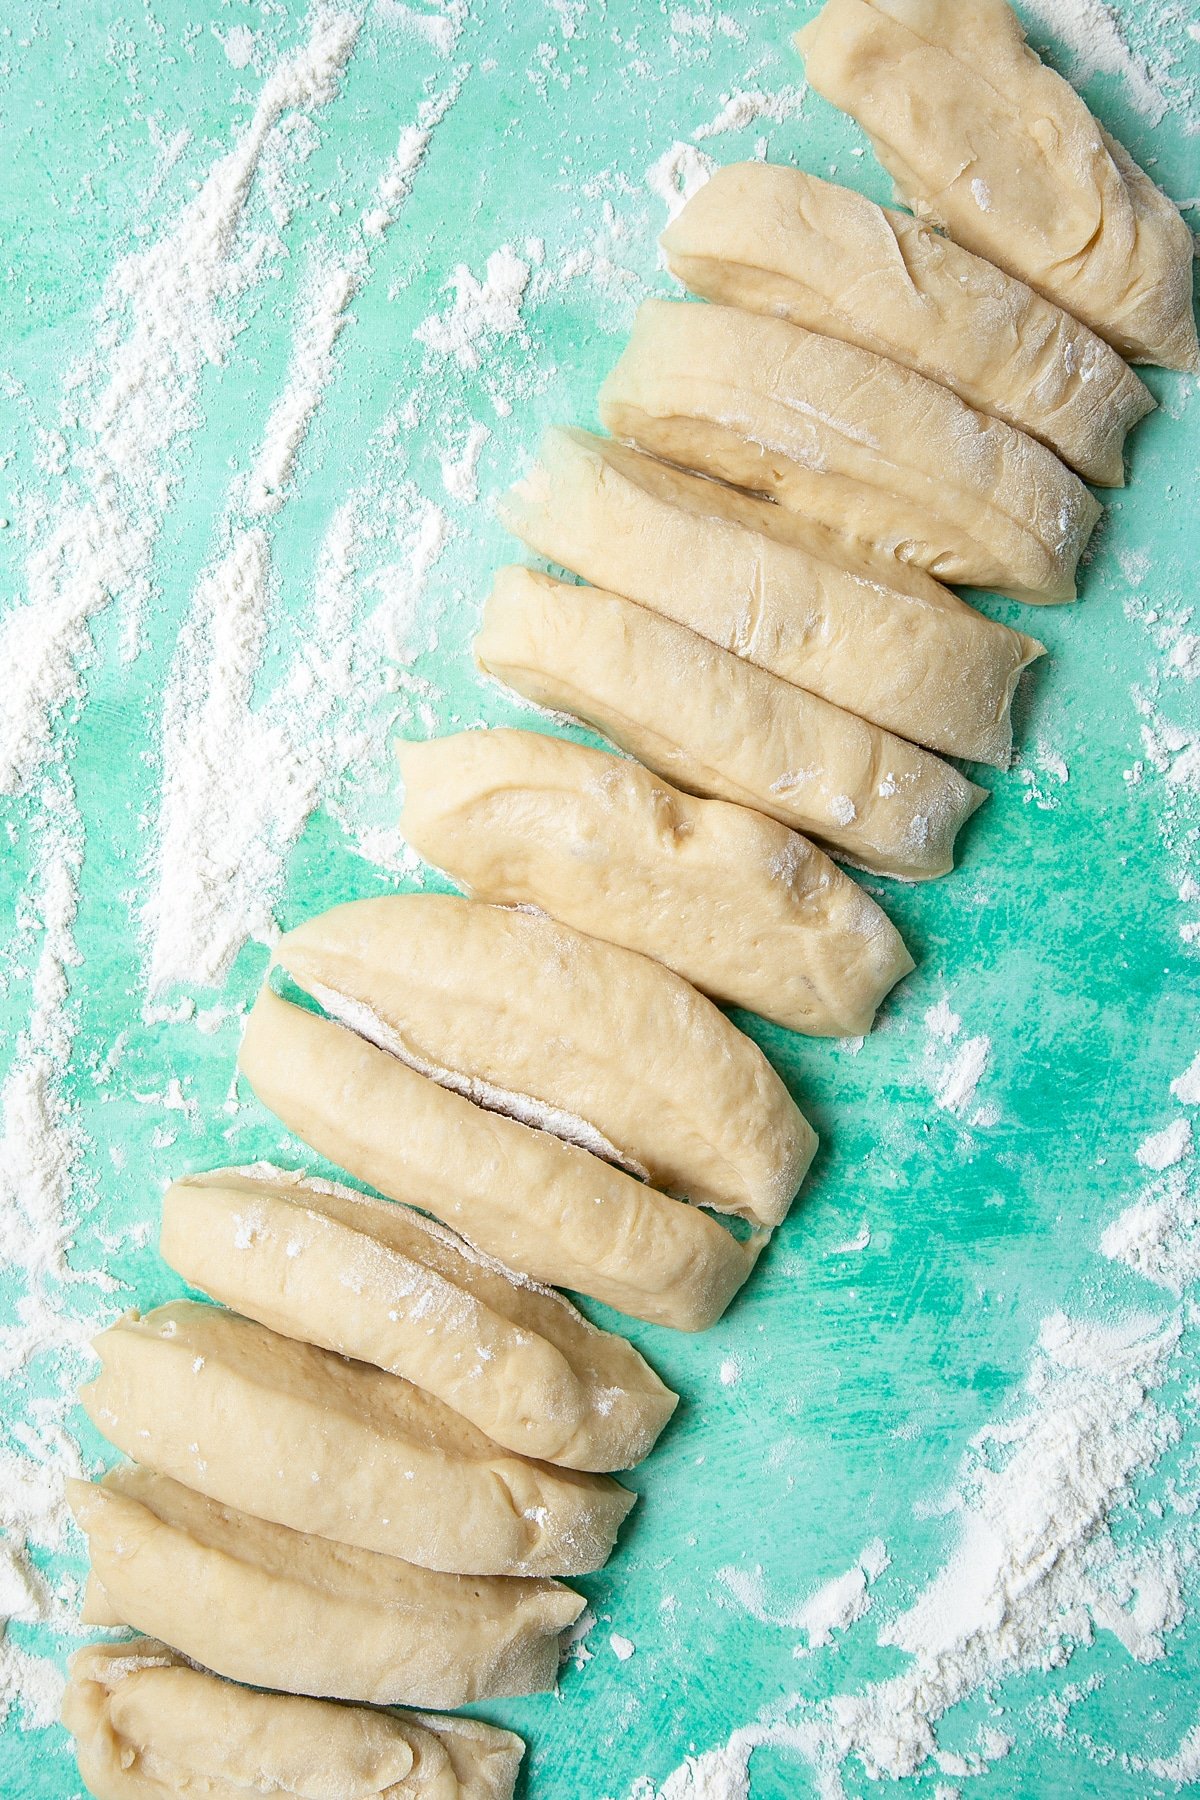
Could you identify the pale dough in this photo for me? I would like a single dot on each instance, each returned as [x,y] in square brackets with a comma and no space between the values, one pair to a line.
[873,635]
[852,440]
[281,1609]
[981,137]
[530,1018]
[778,241]
[148,1726]
[732,900]
[343,1450]
[542,1206]
[382,1283]
[722,727]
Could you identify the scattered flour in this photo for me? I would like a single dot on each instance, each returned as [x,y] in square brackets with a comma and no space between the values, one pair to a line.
[1167,1147]
[460,467]
[482,311]
[743,108]
[957,1075]
[679,173]
[1097,43]
[621,1647]
[833,1607]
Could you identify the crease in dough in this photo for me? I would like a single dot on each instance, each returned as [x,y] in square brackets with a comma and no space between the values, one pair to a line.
[148,1725]
[530,1018]
[854,441]
[777,241]
[276,1608]
[735,902]
[297,1435]
[385,1285]
[980,136]
[873,635]
[542,1206]
[722,727]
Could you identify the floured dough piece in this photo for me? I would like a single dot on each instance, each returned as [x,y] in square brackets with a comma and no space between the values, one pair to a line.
[854,441]
[148,1726]
[281,1609]
[543,1207]
[873,635]
[723,727]
[342,1450]
[778,241]
[981,137]
[735,902]
[532,1019]
[383,1284]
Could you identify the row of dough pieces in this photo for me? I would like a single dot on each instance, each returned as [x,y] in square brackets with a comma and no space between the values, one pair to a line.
[366,1593]
[358,1481]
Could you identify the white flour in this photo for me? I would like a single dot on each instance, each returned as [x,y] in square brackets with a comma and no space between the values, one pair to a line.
[1097,43]
[482,310]
[959,1065]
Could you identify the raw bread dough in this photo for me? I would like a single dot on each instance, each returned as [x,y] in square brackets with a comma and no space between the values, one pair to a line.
[854,441]
[343,1450]
[148,1726]
[874,635]
[723,727]
[281,1609]
[981,137]
[386,1285]
[781,242]
[543,1207]
[530,1018]
[730,899]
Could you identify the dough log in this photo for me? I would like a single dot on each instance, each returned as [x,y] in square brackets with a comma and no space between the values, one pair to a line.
[777,241]
[722,727]
[280,1609]
[543,1207]
[854,441]
[385,1285]
[342,1450]
[732,900]
[594,1043]
[981,137]
[148,1726]
[871,634]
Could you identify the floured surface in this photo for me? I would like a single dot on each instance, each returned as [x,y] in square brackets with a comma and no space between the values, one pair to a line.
[297,538]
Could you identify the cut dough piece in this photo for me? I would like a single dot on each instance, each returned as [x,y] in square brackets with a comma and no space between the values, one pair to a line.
[777,241]
[543,1207]
[149,1726]
[723,727]
[281,1609]
[342,1450]
[383,1284]
[532,1019]
[873,635]
[981,137]
[854,441]
[734,901]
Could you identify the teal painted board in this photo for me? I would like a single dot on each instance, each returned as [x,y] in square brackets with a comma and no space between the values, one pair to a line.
[274,424]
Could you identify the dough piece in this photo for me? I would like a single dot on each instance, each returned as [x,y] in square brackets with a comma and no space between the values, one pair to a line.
[777,241]
[385,1285]
[543,1207]
[871,634]
[148,1726]
[723,727]
[981,137]
[732,900]
[281,1609]
[854,441]
[532,1019]
[342,1450]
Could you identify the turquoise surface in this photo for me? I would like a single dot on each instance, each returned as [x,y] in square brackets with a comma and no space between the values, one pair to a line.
[861,1375]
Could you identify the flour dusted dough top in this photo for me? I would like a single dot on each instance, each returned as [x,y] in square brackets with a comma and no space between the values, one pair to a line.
[579,1037]
[873,635]
[149,1726]
[853,440]
[382,1283]
[981,137]
[781,242]
[343,1450]
[278,1608]
[724,727]
[741,906]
